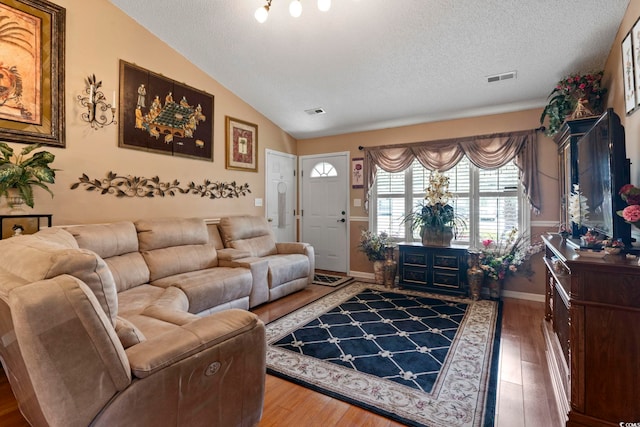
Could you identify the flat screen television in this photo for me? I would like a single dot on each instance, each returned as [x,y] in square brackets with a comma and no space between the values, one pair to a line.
[603,168]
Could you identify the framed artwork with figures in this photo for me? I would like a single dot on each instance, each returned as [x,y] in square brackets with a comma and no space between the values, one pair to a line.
[241,145]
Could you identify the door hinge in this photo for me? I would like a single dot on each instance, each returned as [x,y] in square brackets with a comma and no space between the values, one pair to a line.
[294,172]
[301,212]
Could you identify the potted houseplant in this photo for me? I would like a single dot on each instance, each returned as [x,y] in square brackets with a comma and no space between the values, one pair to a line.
[434,216]
[375,248]
[18,173]
[577,94]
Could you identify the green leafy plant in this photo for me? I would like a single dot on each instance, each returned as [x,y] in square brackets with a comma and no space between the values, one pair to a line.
[564,98]
[21,172]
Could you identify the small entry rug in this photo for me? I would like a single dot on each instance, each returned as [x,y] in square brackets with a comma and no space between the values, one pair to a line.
[330,279]
[419,358]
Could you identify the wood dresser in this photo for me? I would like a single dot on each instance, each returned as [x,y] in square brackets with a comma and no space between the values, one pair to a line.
[433,268]
[592,334]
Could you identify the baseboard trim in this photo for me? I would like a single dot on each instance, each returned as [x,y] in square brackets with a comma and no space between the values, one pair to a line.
[362,275]
[523,295]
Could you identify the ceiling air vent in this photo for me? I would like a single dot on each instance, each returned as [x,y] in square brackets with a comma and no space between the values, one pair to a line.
[315,111]
[499,77]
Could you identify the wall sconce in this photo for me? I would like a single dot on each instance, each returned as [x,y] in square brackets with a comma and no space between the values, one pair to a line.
[96,105]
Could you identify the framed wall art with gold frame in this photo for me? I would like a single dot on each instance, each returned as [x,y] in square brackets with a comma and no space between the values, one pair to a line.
[241,145]
[32,71]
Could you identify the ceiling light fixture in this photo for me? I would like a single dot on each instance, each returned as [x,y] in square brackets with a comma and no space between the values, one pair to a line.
[295,9]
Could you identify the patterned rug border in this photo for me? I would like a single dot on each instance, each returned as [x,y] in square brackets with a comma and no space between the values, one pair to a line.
[464,394]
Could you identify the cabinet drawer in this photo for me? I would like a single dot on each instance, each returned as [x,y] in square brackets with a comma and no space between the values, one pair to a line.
[447,278]
[415,258]
[414,275]
[446,261]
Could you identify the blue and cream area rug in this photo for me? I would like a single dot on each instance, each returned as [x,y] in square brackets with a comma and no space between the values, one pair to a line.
[421,359]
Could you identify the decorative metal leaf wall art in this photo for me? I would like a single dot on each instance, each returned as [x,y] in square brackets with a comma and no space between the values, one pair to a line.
[136,186]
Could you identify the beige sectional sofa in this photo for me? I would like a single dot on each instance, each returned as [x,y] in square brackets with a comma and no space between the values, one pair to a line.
[142,323]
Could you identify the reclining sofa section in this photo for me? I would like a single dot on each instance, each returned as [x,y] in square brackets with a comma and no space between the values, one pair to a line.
[142,323]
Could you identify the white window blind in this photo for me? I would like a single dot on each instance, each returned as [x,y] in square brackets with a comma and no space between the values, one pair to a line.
[489,201]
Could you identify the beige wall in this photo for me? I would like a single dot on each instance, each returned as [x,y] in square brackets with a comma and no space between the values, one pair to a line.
[98,35]
[615,97]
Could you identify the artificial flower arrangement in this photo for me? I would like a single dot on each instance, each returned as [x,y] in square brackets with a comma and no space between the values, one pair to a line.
[374,245]
[435,211]
[498,259]
[578,207]
[573,89]
[631,195]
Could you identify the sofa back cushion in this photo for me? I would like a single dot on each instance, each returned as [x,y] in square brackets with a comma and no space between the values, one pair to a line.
[117,244]
[248,233]
[175,245]
[53,252]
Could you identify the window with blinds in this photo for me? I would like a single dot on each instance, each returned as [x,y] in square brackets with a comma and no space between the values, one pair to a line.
[489,201]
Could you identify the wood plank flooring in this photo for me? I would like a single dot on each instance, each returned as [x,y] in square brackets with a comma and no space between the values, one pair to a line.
[524,398]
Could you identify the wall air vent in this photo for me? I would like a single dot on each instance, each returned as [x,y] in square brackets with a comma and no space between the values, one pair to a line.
[315,111]
[499,77]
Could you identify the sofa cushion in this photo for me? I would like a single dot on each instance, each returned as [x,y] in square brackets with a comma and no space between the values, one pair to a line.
[249,233]
[210,287]
[179,259]
[128,333]
[36,257]
[117,244]
[106,240]
[285,268]
[170,232]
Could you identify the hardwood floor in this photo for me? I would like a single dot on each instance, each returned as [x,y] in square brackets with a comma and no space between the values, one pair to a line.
[524,395]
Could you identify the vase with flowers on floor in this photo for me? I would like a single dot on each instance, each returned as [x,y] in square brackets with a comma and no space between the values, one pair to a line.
[377,248]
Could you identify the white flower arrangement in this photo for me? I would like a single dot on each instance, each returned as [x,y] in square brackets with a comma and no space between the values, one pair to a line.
[578,207]
[437,193]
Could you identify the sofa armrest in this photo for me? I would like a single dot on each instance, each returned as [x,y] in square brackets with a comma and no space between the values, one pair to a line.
[157,353]
[259,272]
[291,247]
[230,254]
[300,248]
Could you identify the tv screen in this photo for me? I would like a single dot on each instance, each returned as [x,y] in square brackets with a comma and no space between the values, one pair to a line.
[602,170]
[594,176]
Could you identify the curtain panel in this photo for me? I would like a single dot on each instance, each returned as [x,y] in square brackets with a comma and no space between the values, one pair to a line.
[485,151]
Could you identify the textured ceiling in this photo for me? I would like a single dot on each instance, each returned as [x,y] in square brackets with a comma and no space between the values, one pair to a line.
[375,64]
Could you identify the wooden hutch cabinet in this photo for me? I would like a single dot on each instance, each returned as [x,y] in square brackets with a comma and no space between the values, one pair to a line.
[592,334]
[431,268]
[567,138]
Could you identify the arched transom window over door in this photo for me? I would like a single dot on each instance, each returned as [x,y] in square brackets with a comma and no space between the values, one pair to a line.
[323,170]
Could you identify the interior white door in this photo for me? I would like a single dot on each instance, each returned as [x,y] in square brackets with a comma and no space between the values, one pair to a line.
[280,200]
[325,204]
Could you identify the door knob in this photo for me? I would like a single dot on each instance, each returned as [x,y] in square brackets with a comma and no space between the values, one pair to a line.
[341,220]
[269,219]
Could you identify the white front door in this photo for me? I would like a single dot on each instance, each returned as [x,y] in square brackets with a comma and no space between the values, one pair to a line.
[280,203]
[325,204]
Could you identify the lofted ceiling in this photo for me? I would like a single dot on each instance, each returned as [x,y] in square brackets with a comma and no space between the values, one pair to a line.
[373,64]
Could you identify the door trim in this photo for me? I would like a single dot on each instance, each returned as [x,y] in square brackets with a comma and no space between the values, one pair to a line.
[290,156]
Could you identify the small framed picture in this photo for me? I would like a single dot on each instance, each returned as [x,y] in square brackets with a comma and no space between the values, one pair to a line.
[17,225]
[628,74]
[357,172]
[241,145]
[635,43]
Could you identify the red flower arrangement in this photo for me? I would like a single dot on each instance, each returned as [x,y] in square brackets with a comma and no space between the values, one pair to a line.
[631,195]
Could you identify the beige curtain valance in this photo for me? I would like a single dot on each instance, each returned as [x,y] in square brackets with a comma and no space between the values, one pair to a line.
[485,151]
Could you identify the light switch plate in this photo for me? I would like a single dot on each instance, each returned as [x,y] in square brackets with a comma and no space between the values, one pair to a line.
[357,203]
[258,202]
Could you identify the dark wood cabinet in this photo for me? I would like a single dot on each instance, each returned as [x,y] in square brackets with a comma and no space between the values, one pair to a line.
[567,138]
[592,334]
[431,268]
